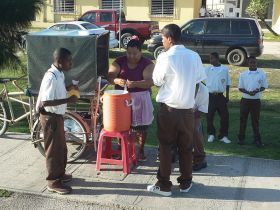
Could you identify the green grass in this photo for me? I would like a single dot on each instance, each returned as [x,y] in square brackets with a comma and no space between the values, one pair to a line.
[268,36]
[5,193]
[269,122]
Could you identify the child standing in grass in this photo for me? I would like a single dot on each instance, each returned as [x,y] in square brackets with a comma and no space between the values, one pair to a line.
[252,83]
[217,82]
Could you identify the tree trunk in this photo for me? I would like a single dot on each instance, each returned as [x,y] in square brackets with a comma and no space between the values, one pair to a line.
[269,28]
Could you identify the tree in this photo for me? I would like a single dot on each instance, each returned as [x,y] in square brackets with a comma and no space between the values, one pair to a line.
[15,19]
[258,9]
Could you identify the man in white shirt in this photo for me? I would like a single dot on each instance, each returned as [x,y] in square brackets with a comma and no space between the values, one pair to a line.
[217,82]
[177,72]
[252,83]
[51,104]
[201,106]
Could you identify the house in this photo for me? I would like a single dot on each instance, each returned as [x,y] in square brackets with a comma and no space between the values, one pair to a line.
[163,11]
[276,16]
[237,8]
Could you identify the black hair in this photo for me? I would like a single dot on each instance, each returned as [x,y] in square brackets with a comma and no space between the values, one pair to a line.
[135,43]
[173,31]
[61,53]
[251,57]
[215,54]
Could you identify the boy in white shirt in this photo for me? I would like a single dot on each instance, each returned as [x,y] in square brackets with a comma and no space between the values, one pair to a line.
[201,106]
[217,82]
[251,83]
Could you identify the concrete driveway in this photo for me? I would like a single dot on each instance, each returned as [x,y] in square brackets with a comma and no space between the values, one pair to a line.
[228,182]
[272,48]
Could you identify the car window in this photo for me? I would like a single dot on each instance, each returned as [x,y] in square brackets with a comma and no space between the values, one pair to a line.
[58,27]
[240,27]
[106,17]
[194,28]
[218,27]
[72,27]
[89,17]
[89,26]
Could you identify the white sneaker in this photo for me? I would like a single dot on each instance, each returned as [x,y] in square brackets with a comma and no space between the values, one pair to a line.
[211,138]
[186,190]
[225,140]
[156,189]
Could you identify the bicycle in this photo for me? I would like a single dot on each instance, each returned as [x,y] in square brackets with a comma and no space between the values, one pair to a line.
[82,126]
[7,97]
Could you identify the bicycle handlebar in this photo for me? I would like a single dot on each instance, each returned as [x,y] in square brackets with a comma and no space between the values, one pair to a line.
[9,79]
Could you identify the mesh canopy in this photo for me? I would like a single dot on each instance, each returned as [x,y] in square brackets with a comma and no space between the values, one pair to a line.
[90,59]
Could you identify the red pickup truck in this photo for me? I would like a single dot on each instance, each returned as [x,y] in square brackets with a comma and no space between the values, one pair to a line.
[109,19]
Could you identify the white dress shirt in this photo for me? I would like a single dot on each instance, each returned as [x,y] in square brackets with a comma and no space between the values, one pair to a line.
[177,71]
[52,88]
[217,78]
[202,99]
[252,80]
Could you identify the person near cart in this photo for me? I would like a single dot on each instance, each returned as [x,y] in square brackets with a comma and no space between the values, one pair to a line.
[51,104]
[177,73]
[134,72]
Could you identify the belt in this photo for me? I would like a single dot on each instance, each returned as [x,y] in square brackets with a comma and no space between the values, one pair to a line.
[216,93]
[42,111]
[174,109]
[50,114]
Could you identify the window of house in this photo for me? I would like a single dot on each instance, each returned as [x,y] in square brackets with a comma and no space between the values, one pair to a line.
[162,7]
[64,6]
[112,4]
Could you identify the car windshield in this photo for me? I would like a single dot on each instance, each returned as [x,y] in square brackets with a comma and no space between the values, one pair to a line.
[89,26]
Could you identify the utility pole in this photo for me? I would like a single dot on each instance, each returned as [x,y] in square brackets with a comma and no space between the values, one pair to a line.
[120,22]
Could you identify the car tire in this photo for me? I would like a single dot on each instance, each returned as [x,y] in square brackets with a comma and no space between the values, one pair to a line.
[236,57]
[158,51]
[125,38]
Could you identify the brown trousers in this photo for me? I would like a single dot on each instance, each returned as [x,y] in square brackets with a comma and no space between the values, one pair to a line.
[174,126]
[198,148]
[252,106]
[55,146]
[217,102]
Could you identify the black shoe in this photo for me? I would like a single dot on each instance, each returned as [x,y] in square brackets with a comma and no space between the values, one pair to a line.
[240,139]
[240,142]
[174,158]
[259,144]
[199,166]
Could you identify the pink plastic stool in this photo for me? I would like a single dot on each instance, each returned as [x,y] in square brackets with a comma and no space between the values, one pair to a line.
[127,152]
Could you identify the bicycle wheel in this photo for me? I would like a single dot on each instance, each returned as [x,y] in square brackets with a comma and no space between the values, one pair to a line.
[76,134]
[3,123]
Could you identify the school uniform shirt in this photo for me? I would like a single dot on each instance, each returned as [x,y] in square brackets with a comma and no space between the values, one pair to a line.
[252,80]
[217,78]
[177,71]
[202,99]
[53,88]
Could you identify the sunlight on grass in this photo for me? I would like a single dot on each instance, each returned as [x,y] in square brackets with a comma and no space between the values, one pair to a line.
[5,193]
[270,114]
[268,36]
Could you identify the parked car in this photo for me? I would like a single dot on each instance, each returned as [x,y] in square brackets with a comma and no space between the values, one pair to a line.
[110,20]
[79,28]
[233,38]
[85,28]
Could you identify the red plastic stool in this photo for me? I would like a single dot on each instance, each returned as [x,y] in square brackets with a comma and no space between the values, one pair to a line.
[127,152]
